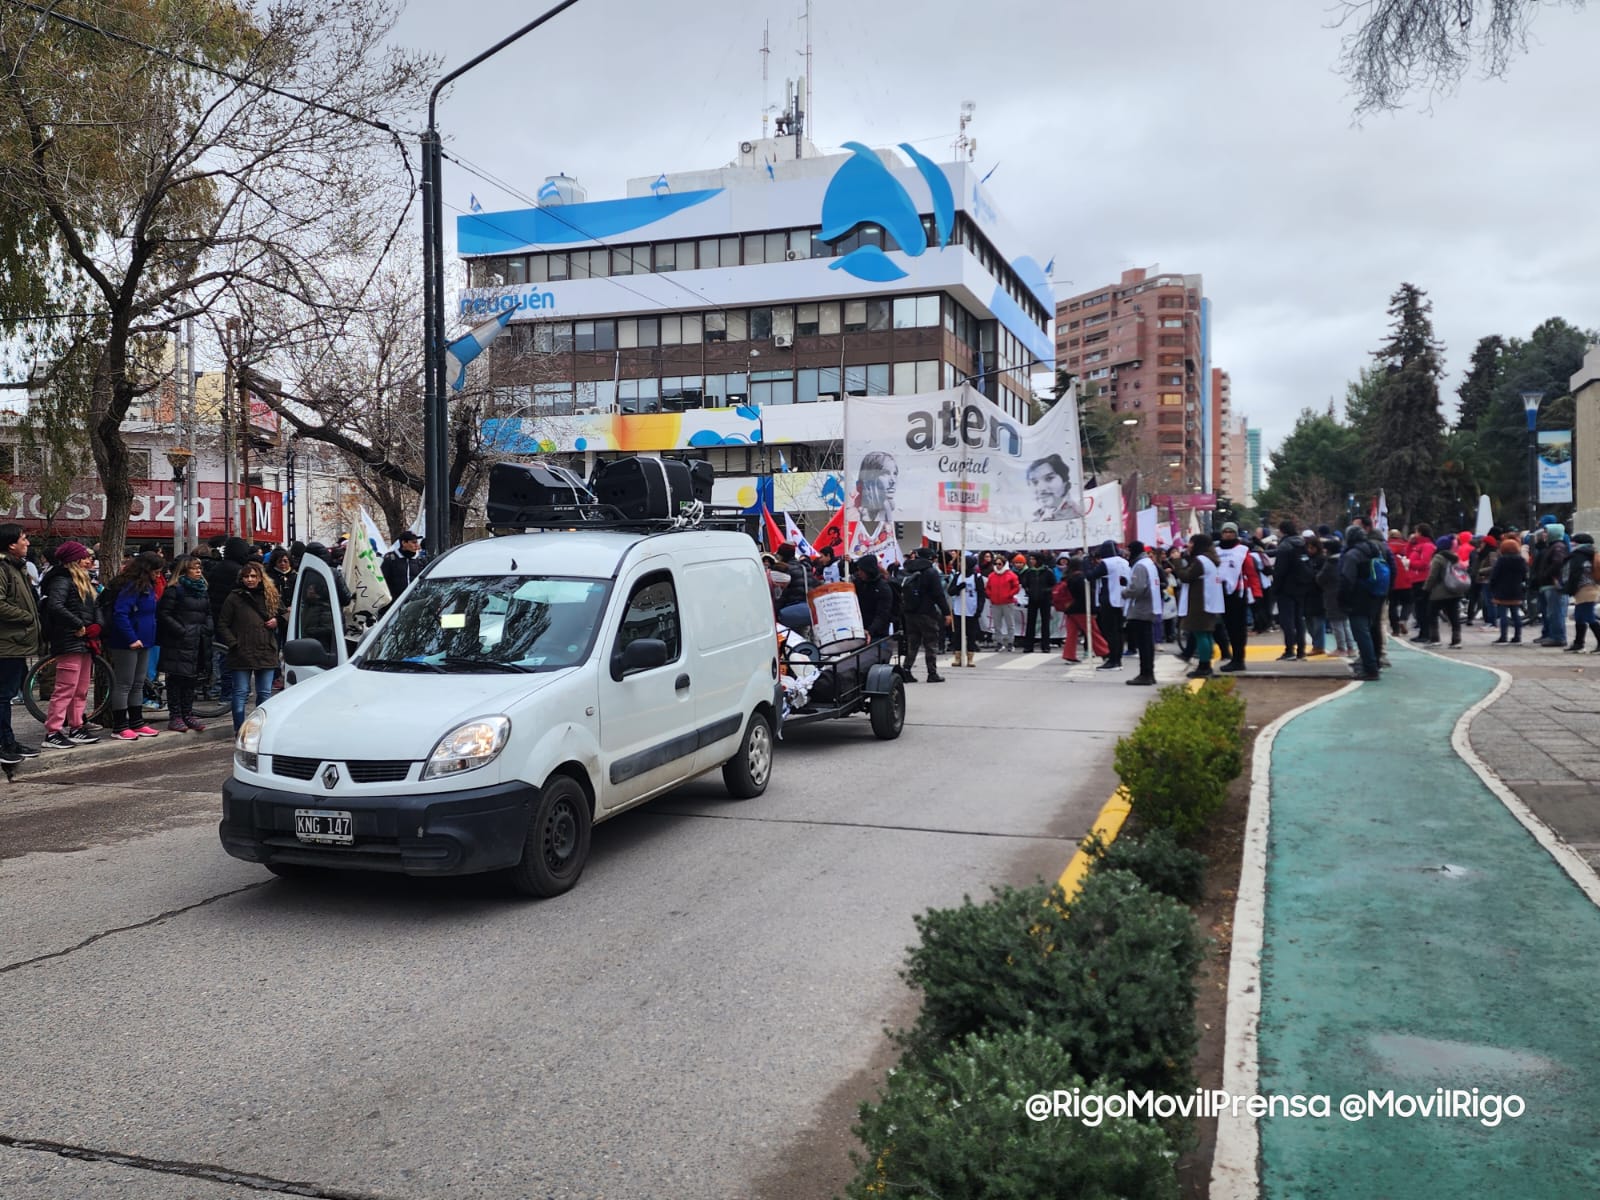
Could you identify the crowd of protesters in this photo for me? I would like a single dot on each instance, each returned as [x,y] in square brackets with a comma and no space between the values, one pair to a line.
[1323,591]
[212,623]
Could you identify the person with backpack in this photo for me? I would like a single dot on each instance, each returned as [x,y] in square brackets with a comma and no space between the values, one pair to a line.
[1447,584]
[923,598]
[1291,580]
[875,597]
[1550,580]
[1363,587]
[1584,588]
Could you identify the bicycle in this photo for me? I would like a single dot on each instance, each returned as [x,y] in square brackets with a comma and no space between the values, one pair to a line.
[40,683]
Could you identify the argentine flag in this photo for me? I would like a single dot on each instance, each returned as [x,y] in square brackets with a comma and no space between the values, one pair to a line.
[661,186]
[464,349]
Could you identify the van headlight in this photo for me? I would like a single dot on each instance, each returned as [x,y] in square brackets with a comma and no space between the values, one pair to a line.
[247,742]
[468,747]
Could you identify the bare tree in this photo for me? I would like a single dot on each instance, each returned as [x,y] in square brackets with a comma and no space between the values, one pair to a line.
[200,156]
[1397,45]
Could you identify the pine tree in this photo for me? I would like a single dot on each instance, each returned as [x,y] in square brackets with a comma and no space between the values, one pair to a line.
[1477,389]
[1403,438]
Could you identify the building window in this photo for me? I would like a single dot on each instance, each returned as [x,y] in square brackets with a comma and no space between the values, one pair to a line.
[715,327]
[1172,323]
[1171,398]
[760,324]
[855,316]
[755,248]
[557,267]
[805,322]
[649,331]
[879,315]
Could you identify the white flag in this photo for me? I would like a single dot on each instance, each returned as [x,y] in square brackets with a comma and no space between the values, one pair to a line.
[792,535]
[374,535]
[363,574]
[1382,521]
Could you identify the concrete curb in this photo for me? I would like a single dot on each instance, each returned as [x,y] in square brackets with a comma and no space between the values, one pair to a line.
[1235,1161]
[1569,860]
[108,749]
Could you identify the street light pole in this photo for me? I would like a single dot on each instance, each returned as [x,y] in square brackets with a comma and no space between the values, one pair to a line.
[435,415]
[1530,406]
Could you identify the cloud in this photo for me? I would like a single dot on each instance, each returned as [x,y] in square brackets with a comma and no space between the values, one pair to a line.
[1209,138]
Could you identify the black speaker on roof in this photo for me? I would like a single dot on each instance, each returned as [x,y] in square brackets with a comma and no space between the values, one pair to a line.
[517,488]
[651,489]
[701,477]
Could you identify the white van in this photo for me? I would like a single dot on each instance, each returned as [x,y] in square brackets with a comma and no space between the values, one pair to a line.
[520,689]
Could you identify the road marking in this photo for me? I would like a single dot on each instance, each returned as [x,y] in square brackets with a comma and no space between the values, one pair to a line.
[1108,824]
[1028,662]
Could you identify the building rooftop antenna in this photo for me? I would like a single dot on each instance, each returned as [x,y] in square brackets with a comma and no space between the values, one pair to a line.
[766,57]
[965,145]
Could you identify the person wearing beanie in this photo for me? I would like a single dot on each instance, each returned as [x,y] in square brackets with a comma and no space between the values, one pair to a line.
[67,613]
[1549,572]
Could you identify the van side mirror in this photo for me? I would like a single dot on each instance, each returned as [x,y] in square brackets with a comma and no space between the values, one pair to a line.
[308,652]
[643,654]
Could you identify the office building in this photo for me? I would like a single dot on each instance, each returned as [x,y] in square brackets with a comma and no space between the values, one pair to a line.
[1144,342]
[724,313]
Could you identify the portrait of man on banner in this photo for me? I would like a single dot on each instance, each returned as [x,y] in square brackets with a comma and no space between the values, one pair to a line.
[1050,480]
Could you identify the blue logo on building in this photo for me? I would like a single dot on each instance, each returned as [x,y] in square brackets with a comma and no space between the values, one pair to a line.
[863,190]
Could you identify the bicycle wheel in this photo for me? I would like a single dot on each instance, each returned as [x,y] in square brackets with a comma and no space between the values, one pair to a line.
[210,699]
[40,684]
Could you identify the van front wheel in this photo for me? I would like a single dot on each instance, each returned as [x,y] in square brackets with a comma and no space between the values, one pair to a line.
[557,845]
[748,771]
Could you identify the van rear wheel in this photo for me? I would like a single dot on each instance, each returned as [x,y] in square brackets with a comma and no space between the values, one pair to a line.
[557,845]
[748,771]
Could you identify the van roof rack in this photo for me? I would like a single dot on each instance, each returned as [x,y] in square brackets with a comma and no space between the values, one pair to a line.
[608,518]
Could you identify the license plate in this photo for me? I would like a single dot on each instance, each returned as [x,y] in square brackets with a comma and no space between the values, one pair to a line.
[324,825]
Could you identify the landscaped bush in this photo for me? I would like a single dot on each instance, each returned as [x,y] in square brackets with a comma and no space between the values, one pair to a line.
[1178,761]
[1155,856]
[1111,979]
[956,1126]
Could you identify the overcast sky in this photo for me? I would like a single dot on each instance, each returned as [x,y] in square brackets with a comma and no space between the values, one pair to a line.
[1214,138]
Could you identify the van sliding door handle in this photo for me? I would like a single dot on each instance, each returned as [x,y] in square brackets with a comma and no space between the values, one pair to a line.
[681,682]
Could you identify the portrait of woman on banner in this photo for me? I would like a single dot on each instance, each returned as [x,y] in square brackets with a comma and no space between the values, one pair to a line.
[873,533]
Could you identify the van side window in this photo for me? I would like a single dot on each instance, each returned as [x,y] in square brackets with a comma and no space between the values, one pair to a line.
[653,613]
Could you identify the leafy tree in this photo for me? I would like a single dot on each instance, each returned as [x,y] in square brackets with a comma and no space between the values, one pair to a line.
[1101,435]
[166,185]
[1477,389]
[1403,438]
[1399,44]
[1543,362]
[1313,471]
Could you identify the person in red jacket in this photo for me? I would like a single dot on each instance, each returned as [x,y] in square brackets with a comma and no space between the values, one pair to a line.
[1419,553]
[1004,584]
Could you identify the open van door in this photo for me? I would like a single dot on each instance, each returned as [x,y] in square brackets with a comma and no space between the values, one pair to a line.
[315,641]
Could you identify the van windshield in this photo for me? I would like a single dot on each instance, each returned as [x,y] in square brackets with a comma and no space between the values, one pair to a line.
[489,624]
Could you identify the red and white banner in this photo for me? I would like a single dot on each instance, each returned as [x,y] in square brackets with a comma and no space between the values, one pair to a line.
[154,512]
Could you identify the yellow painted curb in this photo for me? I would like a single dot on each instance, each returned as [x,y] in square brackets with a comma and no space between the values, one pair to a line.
[1108,824]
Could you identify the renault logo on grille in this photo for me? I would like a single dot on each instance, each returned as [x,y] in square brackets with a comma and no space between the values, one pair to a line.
[330,777]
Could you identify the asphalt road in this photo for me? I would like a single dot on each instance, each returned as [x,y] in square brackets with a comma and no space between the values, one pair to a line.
[694,1020]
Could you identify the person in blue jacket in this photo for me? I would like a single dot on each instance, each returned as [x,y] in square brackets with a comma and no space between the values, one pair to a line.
[130,603]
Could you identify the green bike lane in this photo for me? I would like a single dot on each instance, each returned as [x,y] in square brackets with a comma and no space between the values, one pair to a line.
[1418,938]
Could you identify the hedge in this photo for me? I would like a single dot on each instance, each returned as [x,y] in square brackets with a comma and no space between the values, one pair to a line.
[1178,761]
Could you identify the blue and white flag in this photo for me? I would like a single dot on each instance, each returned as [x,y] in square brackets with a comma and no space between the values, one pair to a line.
[550,191]
[472,202]
[661,187]
[1050,267]
[992,170]
[771,174]
[464,349]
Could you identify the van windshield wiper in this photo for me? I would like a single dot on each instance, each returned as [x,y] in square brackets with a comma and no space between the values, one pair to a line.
[402,664]
[465,663]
